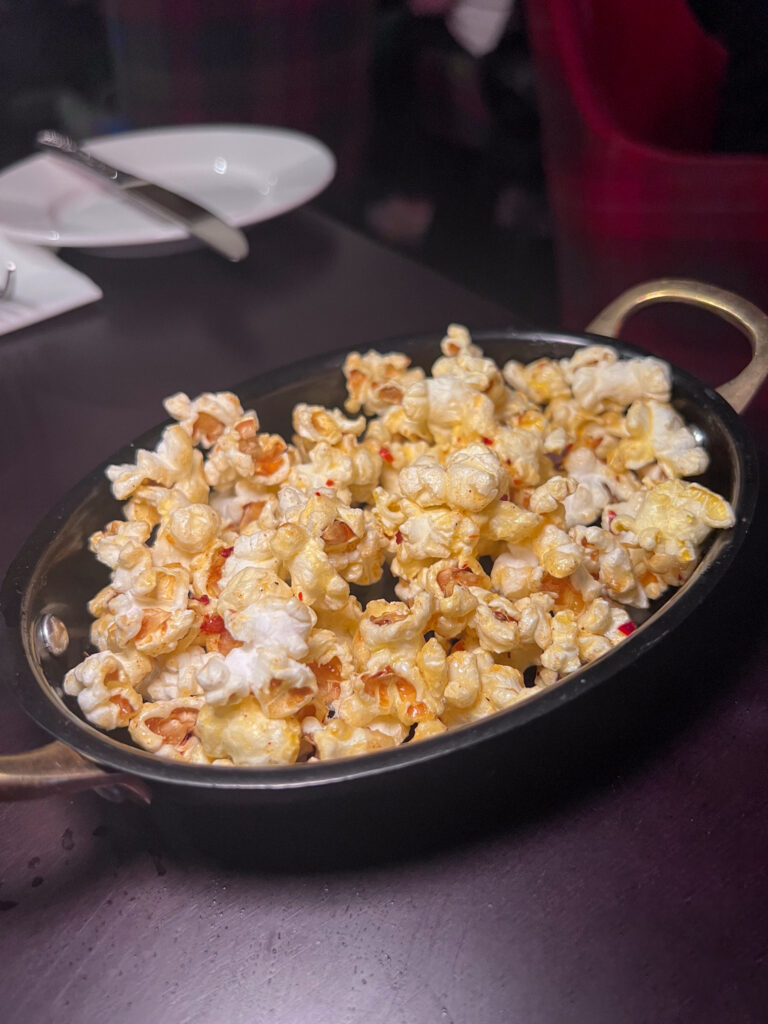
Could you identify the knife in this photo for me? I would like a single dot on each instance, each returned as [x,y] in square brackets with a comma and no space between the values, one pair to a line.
[194,219]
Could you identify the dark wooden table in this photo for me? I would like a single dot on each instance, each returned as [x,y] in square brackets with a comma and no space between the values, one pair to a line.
[636,891]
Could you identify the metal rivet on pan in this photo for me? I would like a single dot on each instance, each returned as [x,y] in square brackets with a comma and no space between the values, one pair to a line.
[53,634]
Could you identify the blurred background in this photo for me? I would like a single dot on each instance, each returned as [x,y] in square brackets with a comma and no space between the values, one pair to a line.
[546,154]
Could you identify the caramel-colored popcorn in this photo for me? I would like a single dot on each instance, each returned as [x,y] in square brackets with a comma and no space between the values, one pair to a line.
[516,513]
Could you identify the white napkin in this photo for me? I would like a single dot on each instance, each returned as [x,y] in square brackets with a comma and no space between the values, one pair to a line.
[43,286]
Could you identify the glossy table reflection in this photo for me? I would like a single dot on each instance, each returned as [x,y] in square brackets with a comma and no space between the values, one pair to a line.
[635,891]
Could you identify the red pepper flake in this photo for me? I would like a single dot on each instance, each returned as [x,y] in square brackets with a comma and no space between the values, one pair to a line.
[329,483]
[487,440]
[611,515]
[226,552]
[300,596]
[627,627]
[212,624]
[399,537]
[204,599]
[386,454]
[504,497]
[318,494]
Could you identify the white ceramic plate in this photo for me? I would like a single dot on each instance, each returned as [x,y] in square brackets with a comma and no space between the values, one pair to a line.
[244,174]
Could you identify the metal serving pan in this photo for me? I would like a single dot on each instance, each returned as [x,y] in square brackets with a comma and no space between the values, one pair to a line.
[54,575]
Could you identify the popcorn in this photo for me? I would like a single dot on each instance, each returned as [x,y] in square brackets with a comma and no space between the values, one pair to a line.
[551,496]
[521,451]
[557,553]
[348,469]
[313,424]
[176,677]
[246,736]
[150,503]
[562,655]
[389,700]
[507,521]
[145,608]
[260,608]
[478,687]
[517,572]
[469,365]
[330,659]
[377,381]
[448,410]
[435,533]
[621,382]
[613,563]
[250,551]
[121,544]
[311,571]
[167,728]
[496,626]
[186,532]
[424,481]
[463,686]
[458,341]
[602,625]
[672,519]
[175,463]
[240,451]
[597,484]
[658,434]
[338,739]
[272,625]
[105,687]
[518,514]
[454,589]
[205,418]
[541,380]
[474,478]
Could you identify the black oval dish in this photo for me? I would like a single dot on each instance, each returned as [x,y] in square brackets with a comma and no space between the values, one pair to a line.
[357,805]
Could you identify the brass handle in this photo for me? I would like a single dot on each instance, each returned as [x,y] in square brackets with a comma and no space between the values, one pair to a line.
[56,768]
[738,392]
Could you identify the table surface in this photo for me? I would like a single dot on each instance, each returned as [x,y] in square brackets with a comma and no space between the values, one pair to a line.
[637,892]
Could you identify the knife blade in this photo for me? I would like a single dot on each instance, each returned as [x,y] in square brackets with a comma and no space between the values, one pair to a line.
[230,242]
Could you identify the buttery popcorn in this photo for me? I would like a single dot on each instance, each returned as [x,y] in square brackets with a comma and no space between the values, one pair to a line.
[521,513]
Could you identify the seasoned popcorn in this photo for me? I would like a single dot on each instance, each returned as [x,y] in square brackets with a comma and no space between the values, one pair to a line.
[521,512]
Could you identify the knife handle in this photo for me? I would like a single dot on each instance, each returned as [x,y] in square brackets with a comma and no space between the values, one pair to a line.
[62,145]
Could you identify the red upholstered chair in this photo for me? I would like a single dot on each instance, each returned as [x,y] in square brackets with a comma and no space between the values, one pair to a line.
[628,99]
